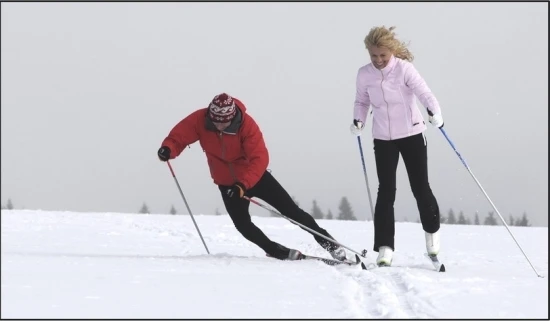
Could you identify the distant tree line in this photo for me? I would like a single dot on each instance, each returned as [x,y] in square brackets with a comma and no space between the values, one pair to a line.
[490,219]
[345,213]
[145,209]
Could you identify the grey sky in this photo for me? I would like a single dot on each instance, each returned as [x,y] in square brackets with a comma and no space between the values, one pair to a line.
[90,90]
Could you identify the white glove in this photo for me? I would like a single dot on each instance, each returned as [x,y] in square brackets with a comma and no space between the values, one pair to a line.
[436,120]
[357,127]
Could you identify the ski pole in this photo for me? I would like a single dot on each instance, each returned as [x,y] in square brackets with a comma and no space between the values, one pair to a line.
[363,254]
[365,173]
[487,196]
[187,205]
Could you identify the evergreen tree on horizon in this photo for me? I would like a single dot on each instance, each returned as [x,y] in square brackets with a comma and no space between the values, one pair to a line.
[144,209]
[316,211]
[346,213]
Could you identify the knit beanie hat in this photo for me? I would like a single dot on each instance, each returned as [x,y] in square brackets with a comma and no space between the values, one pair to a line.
[222,109]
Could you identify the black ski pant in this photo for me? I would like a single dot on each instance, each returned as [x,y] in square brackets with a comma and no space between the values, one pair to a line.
[413,149]
[270,191]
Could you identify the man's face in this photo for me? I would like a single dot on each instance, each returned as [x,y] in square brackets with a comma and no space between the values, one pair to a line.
[221,126]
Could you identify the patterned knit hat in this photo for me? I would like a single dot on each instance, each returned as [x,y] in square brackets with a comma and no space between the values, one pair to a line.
[222,108]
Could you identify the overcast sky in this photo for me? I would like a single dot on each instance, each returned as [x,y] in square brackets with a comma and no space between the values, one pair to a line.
[90,90]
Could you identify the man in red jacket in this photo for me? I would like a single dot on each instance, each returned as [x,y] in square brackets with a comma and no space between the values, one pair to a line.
[238,159]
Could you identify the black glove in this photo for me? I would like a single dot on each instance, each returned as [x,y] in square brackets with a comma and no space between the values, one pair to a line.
[237,190]
[164,153]
[357,123]
[357,127]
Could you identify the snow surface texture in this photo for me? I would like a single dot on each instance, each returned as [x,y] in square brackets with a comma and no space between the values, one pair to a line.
[109,265]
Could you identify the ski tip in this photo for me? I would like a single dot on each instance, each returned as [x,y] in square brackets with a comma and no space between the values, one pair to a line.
[442,268]
[357,259]
[363,266]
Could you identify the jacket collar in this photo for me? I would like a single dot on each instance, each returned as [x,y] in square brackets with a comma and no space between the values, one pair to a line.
[232,129]
[389,67]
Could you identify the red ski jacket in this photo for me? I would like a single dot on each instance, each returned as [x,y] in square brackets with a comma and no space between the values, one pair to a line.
[238,154]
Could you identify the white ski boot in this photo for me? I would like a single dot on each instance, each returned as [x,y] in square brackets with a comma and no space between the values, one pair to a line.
[432,243]
[385,256]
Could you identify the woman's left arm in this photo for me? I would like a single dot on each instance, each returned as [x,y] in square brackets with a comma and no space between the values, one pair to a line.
[416,83]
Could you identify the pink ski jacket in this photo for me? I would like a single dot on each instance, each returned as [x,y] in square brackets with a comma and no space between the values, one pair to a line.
[391,92]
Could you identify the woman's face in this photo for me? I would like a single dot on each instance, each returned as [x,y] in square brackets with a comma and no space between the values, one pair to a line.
[379,56]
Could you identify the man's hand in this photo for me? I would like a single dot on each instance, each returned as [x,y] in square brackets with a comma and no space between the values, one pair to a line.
[236,191]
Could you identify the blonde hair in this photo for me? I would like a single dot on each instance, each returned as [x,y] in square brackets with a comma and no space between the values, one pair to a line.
[384,37]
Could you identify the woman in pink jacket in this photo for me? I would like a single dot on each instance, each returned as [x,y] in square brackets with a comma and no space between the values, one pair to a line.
[390,84]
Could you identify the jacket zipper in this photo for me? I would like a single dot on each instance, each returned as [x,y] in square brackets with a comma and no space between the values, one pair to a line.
[387,105]
[231,171]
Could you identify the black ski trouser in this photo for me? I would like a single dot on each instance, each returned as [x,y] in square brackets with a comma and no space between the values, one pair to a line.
[413,149]
[269,190]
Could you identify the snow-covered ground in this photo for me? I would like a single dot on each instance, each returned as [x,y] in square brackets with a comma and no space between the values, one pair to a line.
[109,265]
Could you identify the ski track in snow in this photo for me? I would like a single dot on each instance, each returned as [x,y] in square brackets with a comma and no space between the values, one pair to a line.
[386,291]
[379,293]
